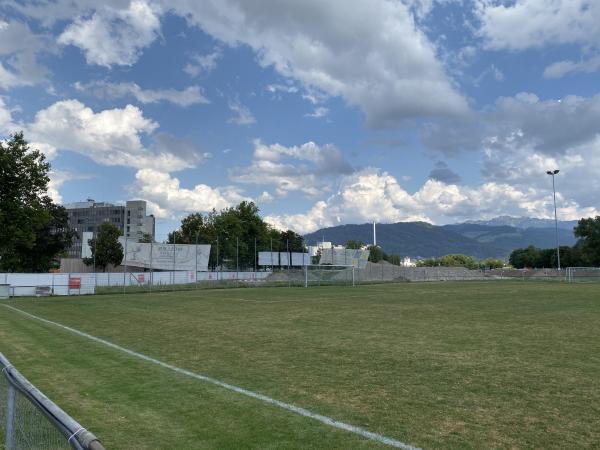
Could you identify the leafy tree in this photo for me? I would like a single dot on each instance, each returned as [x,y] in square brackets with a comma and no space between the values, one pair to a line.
[106,248]
[375,253]
[588,232]
[33,230]
[392,259]
[292,241]
[232,233]
[353,244]
[458,260]
[491,263]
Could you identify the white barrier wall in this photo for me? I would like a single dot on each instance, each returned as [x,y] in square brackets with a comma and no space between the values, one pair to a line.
[33,284]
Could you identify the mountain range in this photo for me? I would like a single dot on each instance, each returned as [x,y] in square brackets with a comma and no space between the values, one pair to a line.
[481,239]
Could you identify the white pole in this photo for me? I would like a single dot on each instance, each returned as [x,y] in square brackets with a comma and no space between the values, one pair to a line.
[151,268]
[306,275]
[125,266]
[374,235]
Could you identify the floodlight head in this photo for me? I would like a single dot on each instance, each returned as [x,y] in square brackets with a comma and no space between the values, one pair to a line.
[549,172]
[556,171]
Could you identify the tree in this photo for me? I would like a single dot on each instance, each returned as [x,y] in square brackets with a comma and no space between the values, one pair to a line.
[235,233]
[588,232]
[292,241]
[353,244]
[33,230]
[491,263]
[106,248]
[375,253]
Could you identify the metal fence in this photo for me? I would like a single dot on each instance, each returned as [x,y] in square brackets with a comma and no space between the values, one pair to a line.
[30,420]
[40,285]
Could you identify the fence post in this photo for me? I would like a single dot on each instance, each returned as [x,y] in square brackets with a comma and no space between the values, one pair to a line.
[306,275]
[9,442]
[352,276]
[125,265]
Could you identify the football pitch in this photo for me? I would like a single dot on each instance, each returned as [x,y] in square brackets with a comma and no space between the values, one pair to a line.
[432,365]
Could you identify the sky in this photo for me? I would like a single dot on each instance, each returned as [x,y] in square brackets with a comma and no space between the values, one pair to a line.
[322,112]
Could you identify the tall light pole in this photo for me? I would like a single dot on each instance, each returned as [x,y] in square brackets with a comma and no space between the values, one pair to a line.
[553,173]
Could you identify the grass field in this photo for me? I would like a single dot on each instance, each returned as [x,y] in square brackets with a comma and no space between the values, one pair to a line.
[436,365]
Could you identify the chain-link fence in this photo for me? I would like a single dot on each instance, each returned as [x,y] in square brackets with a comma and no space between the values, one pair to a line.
[29,420]
[265,276]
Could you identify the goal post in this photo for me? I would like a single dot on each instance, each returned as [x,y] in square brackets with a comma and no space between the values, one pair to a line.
[582,274]
[326,274]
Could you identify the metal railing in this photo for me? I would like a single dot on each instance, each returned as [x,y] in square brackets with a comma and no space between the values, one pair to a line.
[30,420]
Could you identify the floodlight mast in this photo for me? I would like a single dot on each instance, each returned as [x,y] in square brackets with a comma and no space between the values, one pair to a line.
[552,173]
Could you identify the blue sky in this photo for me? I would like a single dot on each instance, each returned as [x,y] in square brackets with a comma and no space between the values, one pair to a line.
[323,112]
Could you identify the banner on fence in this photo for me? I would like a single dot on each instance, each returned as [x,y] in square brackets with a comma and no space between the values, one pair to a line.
[155,256]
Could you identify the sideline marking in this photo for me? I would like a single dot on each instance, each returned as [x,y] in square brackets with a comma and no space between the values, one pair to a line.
[287,406]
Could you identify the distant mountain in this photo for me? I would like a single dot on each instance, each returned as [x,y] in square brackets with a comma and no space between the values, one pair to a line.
[420,239]
[524,222]
[507,238]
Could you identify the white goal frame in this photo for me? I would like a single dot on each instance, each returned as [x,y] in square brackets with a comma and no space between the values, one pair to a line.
[571,274]
[323,267]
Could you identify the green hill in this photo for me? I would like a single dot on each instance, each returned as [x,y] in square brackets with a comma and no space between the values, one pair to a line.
[420,239]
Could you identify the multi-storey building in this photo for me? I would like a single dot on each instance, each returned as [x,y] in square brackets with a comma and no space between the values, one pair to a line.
[86,217]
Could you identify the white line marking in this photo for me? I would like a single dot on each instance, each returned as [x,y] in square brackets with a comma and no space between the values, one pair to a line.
[295,409]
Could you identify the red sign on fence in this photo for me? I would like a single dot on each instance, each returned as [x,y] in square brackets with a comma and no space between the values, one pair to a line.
[74,283]
[140,278]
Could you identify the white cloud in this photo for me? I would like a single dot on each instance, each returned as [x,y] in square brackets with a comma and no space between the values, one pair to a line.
[288,89]
[6,121]
[110,137]
[114,36]
[561,68]
[320,111]
[308,168]
[243,115]
[57,179]
[265,197]
[189,96]
[20,48]
[527,24]
[372,195]
[203,63]
[373,55]
[167,197]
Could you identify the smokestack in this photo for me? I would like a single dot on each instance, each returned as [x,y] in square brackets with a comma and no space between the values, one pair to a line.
[374,235]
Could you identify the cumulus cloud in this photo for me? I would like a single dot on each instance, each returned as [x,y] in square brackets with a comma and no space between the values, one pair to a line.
[167,197]
[114,36]
[372,195]
[243,116]
[522,137]
[307,168]
[19,52]
[110,137]
[536,23]
[523,121]
[189,96]
[373,55]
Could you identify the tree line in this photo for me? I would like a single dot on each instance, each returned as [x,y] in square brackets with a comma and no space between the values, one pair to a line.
[460,260]
[585,253]
[236,235]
